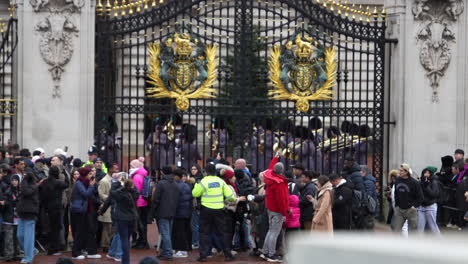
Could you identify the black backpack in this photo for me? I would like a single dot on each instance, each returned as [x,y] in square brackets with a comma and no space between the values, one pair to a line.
[362,205]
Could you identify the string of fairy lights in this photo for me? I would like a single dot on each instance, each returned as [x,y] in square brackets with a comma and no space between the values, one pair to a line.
[359,12]
[122,8]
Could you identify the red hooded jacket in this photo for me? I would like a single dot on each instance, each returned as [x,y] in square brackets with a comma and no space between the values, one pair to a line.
[277,193]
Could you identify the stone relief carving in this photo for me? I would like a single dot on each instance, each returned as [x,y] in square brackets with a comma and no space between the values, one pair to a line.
[57,30]
[435,36]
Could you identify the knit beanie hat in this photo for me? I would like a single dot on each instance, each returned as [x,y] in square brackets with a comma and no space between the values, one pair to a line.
[77,163]
[136,164]
[279,168]
[432,169]
[228,174]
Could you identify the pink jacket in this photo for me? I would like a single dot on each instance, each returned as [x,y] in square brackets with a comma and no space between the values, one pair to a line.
[138,180]
[293,218]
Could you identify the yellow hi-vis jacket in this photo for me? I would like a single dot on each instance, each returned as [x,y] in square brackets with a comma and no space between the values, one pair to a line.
[213,191]
[103,168]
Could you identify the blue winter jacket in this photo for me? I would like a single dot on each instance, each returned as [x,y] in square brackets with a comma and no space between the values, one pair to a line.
[369,183]
[80,196]
[354,175]
[184,208]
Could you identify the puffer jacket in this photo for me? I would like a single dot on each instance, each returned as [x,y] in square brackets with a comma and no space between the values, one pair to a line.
[80,196]
[184,208]
[353,175]
[369,183]
[293,219]
[11,196]
[139,180]
[28,203]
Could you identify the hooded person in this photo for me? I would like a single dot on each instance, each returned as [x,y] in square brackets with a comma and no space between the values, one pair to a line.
[427,212]
[445,175]
[138,174]
[277,204]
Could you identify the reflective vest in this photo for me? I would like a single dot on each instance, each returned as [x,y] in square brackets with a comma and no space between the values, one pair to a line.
[103,168]
[213,191]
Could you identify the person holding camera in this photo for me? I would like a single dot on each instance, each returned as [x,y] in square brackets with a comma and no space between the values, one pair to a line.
[83,211]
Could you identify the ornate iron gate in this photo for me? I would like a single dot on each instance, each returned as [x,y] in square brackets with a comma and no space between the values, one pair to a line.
[8,103]
[241,120]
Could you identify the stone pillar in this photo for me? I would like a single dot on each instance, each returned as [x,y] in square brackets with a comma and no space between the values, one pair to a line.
[56,74]
[429,79]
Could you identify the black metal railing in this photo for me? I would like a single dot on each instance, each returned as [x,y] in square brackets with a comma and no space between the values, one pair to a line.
[241,122]
[8,102]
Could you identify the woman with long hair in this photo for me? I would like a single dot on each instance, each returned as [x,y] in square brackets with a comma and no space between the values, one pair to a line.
[123,199]
[323,220]
[196,174]
[83,212]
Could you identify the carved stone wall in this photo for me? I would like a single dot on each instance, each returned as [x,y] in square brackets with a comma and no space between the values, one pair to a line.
[56,74]
[57,30]
[436,36]
[428,81]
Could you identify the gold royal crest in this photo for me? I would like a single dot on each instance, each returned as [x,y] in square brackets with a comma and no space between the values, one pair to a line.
[183,73]
[302,70]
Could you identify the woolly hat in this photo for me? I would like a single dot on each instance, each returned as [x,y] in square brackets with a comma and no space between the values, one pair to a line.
[136,164]
[35,158]
[228,174]
[40,150]
[60,152]
[77,163]
[432,169]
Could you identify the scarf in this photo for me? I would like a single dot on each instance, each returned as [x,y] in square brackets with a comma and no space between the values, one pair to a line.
[227,176]
[462,174]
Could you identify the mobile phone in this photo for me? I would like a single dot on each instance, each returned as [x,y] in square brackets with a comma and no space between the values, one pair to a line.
[65,149]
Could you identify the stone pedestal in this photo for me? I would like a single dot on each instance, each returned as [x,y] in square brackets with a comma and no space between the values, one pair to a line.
[56,76]
[428,98]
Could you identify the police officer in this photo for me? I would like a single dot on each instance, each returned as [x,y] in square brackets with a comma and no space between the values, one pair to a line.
[213,191]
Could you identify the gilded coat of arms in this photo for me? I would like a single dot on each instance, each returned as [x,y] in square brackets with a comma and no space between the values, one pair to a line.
[302,70]
[182,68]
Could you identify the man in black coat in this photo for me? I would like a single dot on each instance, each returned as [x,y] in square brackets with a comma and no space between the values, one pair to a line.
[307,208]
[342,202]
[165,201]
[352,174]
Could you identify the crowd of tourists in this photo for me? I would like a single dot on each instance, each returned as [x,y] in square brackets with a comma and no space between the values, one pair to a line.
[220,209]
[432,199]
